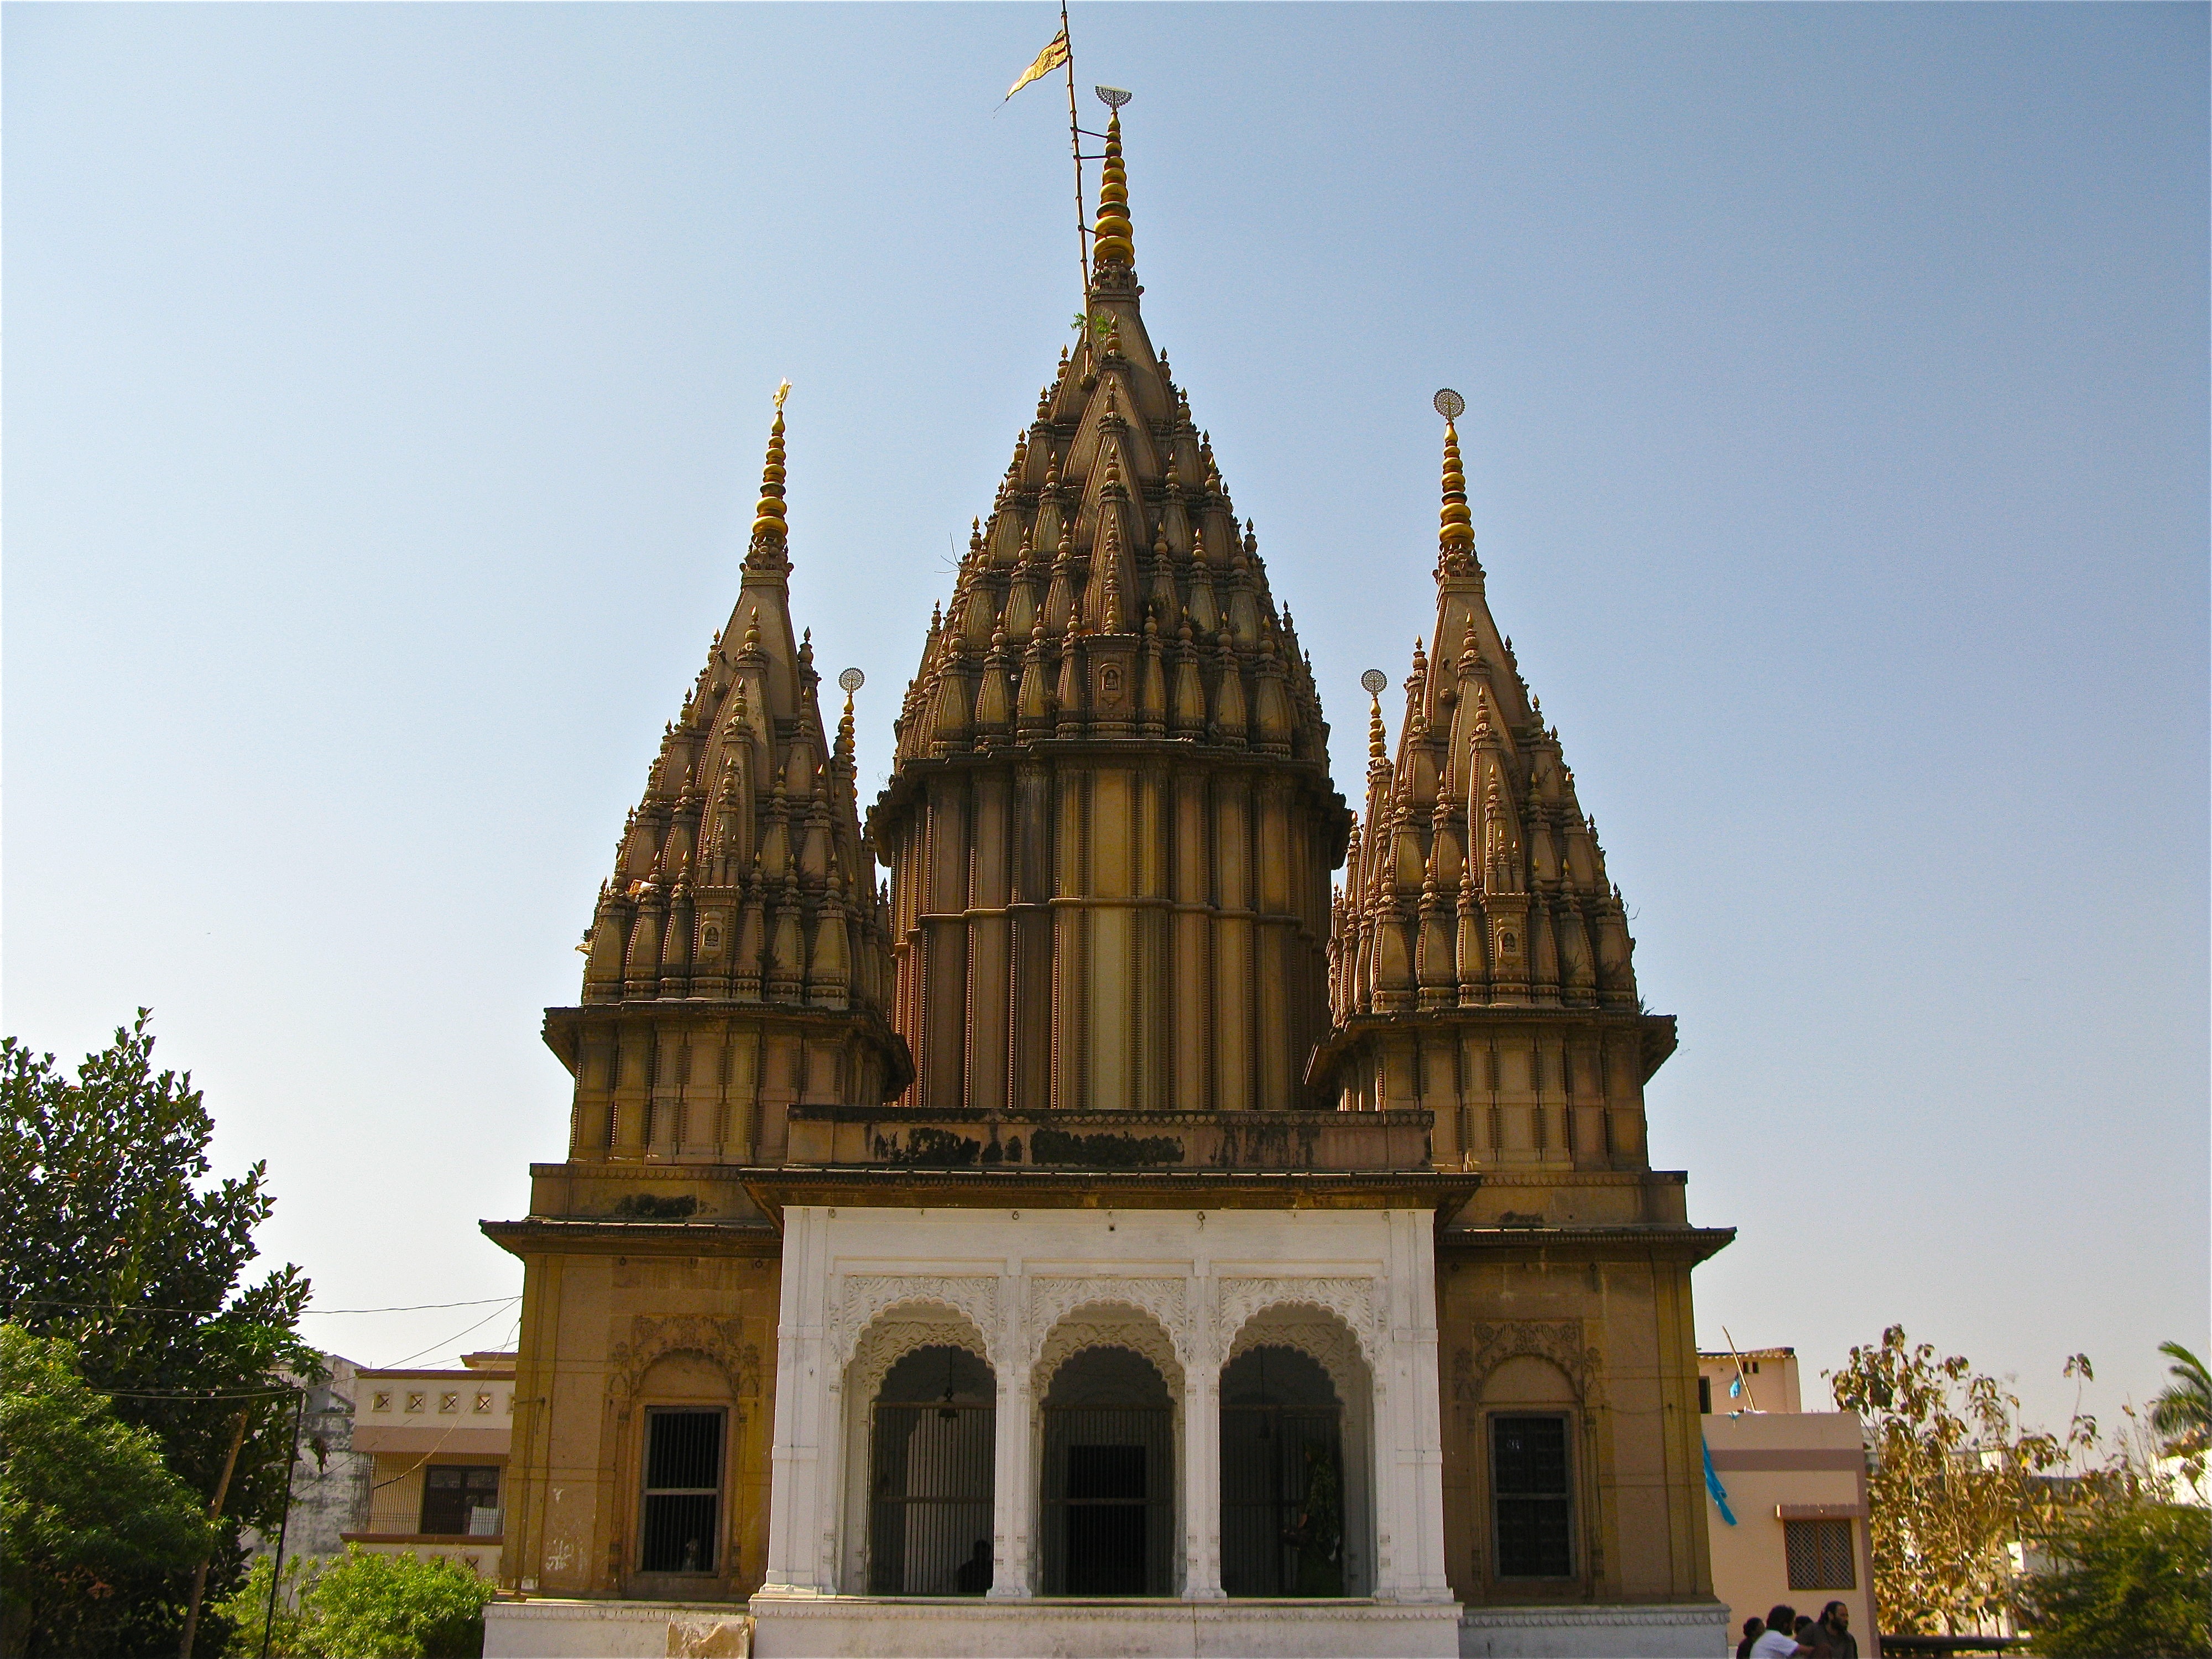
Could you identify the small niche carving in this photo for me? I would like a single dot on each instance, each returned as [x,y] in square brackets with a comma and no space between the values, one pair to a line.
[1109,683]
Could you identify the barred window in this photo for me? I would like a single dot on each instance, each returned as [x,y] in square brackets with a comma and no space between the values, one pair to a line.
[1820,1555]
[682,1491]
[1528,1497]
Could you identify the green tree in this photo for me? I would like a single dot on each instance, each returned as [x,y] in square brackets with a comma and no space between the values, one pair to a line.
[1957,1482]
[365,1606]
[2127,1577]
[117,1241]
[91,1520]
[2182,1411]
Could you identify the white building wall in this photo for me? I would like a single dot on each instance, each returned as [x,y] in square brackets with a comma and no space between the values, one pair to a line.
[861,1284]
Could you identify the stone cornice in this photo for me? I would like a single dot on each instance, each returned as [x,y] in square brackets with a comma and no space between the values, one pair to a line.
[1658,1241]
[1443,1191]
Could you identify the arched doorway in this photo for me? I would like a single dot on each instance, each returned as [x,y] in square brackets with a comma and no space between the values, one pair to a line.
[931,1441]
[1282,1476]
[1107,1516]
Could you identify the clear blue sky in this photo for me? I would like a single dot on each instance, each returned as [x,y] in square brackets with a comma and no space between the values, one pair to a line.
[384,394]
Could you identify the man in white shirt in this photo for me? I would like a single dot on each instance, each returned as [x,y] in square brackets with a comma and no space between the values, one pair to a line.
[1776,1642]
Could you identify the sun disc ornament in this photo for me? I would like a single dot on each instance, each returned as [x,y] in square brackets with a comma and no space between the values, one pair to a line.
[1449,403]
[851,681]
[1374,682]
[1113,97]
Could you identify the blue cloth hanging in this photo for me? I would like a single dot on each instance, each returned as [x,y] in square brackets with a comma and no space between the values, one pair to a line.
[1718,1492]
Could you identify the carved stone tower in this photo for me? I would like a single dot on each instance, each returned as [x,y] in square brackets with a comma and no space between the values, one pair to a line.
[1110,824]
[1480,963]
[736,962]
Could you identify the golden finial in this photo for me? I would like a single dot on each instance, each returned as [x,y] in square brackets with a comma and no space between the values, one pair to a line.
[1111,244]
[1372,683]
[1456,533]
[768,516]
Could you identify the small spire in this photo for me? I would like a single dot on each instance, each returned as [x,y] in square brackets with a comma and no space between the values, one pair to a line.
[1456,533]
[1111,244]
[1377,745]
[768,516]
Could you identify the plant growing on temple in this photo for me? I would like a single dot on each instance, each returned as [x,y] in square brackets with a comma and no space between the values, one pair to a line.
[1958,1482]
[91,1520]
[118,1243]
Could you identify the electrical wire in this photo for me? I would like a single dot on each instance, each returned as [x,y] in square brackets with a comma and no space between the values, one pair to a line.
[209,1313]
[438,1346]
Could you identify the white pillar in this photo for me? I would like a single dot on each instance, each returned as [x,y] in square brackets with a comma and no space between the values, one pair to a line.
[1201,1470]
[802,1457]
[1411,1431]
[1012,1490]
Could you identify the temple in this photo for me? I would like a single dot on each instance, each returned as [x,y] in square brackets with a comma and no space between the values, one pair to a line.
[1109,1235]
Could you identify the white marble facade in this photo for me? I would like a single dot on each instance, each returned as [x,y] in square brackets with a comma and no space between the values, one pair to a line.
[1024,1290]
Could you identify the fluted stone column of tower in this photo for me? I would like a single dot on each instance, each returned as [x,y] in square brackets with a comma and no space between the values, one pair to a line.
[1110,824]
[738,960]
[1479,960]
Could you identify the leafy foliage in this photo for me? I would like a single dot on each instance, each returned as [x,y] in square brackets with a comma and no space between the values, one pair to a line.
[2182,1411]
[1957,1482]
[2129,1576]
[90,1518]
[365,1606]
[118,1243]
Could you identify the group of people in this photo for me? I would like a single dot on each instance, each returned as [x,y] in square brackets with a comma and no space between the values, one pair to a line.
[1785,1634]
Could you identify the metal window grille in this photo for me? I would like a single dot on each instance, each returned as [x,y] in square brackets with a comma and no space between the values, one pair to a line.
[932,1474]
[1272,1544]
[1820,1555]
[682,1491]
[1529,1501]
[450,1491]
[1108,1501]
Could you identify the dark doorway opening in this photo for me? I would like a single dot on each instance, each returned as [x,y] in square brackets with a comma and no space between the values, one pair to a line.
[1108,1477]
[682,1491]
[932,1454]
[1282,1477]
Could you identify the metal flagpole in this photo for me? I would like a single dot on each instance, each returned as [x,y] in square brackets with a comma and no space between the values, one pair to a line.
[1075,145]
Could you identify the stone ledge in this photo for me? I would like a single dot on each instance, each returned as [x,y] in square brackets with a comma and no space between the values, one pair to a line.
[868,1627]
[1677,1630]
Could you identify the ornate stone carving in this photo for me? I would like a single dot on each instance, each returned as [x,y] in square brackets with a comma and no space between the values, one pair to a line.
[1051,1301]
[1329,1342]
[1355,1300]
[1561,1341]
[894,1336]
[1099,1328]
[974,1297]
[718,1341]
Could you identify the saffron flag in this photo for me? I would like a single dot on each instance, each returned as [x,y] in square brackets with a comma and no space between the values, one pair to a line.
[1719,1493]
[1054,55]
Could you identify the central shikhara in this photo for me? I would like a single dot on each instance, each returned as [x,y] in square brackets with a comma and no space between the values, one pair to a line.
[1105,1237]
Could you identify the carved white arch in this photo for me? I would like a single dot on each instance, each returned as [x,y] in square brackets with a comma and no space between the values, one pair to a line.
[1051,1301]
[864,1297]
[899,1332]
[1321,1336]
[1106,1325]
[1356,1302]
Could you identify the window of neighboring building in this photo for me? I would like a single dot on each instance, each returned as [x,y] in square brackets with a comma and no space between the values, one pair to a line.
[450,1491]
[1820,1555]
[1704,1397]
[682,1491]
[1528,1497]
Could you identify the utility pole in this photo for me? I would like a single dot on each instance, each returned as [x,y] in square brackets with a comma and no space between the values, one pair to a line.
[214,1510]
